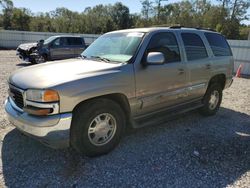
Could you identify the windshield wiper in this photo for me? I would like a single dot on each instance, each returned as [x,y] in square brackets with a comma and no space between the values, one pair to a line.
[101,58]
[83,56]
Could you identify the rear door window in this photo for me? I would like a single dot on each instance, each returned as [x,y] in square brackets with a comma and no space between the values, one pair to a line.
[75,41]
[218,44]
[194,46]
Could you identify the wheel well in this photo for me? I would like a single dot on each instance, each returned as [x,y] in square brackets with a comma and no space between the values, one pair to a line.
[45,56]
[119,98]
[220,78]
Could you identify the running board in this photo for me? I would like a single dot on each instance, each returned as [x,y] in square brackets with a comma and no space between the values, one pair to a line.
[165,114]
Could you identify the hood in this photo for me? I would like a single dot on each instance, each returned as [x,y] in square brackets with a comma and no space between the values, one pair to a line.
[27,46]
[54,73]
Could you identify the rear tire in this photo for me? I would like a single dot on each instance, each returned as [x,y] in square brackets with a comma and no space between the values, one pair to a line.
[212,100]
[97,127]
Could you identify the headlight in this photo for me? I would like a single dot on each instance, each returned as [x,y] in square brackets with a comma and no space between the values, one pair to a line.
[37,95]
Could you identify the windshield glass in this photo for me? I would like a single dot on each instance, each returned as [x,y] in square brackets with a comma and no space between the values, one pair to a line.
[118,47]
[48,40]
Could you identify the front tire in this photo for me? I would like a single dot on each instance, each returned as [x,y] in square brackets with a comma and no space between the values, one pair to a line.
[97,127]
[41,59]
[212,100]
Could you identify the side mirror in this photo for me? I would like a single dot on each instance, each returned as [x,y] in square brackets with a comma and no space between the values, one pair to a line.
[51,45]
[155,58]
[41,41]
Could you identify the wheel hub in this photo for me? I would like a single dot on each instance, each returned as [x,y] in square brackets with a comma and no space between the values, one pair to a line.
[102,129]
[214,100]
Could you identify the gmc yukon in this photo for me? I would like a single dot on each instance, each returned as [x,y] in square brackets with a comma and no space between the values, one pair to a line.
[134,77]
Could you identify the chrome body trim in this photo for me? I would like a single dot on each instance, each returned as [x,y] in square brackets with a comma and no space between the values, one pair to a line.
[14,105]
[54,106]
[23,95]
[197,86]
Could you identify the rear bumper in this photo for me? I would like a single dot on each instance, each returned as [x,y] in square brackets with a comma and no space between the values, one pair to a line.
[51,130]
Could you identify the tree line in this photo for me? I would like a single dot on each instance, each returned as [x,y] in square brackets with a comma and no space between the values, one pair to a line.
[224,16]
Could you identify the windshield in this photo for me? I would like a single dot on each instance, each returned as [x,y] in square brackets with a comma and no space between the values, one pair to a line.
[119,47]
[48,40]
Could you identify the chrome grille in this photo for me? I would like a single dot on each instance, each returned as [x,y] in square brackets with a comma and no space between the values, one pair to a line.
[17,96]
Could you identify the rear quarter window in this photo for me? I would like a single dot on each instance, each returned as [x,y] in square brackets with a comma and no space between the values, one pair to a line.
[194,46]
[218,44]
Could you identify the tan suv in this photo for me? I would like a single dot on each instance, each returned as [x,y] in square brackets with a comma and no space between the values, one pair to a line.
[132,77]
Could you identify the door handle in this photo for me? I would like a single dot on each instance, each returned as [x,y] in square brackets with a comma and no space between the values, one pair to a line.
[208,66]
[181,71]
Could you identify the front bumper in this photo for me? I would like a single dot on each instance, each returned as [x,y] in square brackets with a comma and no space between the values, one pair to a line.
[27,57]
[51,130]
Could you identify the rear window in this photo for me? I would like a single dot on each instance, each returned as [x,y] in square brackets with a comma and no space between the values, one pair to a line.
[75,41]
[218,44]
[194,46]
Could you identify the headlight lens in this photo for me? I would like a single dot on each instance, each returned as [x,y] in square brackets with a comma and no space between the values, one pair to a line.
[42,95]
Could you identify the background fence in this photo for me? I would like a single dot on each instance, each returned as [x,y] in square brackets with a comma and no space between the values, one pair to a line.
[11,39]
[241,53]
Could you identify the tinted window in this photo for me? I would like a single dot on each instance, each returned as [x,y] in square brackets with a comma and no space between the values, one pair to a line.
[75,41]
[64,41]
[49,40]
[167,44]
[56,43]
[218,44]
[195,48]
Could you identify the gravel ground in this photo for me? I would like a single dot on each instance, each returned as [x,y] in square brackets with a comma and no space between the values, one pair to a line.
[191,151]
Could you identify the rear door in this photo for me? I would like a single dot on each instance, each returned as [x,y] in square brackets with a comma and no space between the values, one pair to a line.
[222,55]
[80,46]
[163,85]
[77,45]
[198,63]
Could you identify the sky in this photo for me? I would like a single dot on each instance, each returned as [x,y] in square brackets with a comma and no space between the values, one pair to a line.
[79,5]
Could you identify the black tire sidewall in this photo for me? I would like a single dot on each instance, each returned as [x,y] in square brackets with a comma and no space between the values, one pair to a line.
[205,109]
[44,56]
[81,122]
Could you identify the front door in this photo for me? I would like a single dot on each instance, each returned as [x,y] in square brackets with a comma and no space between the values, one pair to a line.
[163,85]
[60,49]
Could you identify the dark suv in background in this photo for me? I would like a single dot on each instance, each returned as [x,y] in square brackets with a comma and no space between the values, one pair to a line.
[53,48]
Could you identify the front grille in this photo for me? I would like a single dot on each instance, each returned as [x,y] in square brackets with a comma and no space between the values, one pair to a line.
[16,96]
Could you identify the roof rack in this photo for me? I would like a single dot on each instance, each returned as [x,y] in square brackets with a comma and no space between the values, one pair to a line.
[176,27]
[209,29]
[198,28]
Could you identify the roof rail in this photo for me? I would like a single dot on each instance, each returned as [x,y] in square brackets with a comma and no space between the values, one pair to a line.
[209,29]
[176,27]
[198,28]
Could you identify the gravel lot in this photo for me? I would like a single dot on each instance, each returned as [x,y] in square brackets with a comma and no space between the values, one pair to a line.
[191,151]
